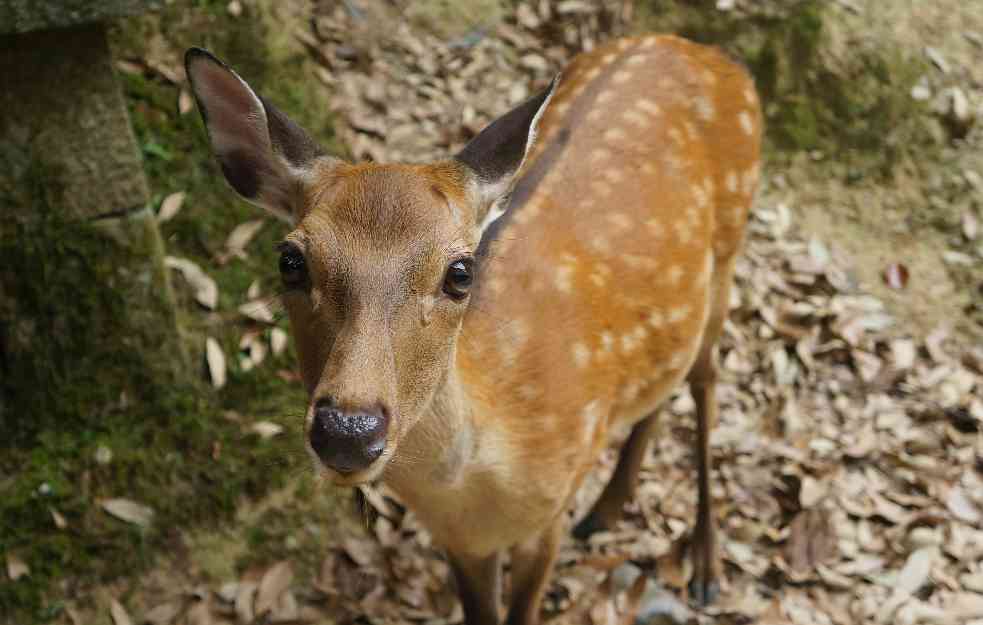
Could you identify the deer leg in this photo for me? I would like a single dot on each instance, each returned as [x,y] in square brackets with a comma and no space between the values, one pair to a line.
[621,487]
[532,563]
[704,585]
[479,587]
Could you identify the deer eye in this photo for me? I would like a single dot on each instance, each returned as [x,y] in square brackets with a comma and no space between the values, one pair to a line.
[458,279]
[293,267]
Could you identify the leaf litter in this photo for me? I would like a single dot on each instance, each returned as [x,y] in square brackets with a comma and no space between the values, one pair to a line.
[848,450]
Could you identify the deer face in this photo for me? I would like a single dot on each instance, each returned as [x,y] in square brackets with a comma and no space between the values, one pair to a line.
[378,269]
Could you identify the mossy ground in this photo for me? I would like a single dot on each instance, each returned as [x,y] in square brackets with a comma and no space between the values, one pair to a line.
[173,446]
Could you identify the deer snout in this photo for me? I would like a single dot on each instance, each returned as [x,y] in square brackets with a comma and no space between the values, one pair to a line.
[348,440]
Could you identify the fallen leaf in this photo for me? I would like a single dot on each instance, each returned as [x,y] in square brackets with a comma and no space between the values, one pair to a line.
[16,568]
[129,511]
[278,341]
[170,206]
[205,289]
[915,572]
[119,614]
[215,358]
[258,310]
[275,581]
[962,507]
[896,275]
[59,520]
[163,614]
[266,429]
[244,601]
[241,235]
[184,102]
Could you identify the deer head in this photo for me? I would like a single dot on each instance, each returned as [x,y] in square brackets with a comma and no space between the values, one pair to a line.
[378,267]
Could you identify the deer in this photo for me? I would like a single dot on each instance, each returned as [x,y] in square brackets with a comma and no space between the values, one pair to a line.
[470,331]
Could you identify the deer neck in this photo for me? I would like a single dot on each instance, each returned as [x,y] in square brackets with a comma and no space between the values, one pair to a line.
[443,446]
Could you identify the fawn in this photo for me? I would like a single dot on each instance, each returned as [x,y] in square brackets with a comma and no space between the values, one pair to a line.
[470,330]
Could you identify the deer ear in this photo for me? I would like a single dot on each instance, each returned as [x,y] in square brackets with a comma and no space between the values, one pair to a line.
[265,156]
[496,155]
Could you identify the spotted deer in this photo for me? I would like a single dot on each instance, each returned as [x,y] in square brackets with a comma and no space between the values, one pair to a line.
[469,331]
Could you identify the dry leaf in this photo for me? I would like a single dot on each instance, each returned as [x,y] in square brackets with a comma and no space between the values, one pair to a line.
[206,291]
[184,102]
[163,614]
[896,276]
[244,601]
[199,614]
[962,507]
[170,206]
[275,581]
[266,429]
[215,358]
[119,614]
[258,310]
[278,341]
[129,511]
[16,568]
[59,520]
[241,235]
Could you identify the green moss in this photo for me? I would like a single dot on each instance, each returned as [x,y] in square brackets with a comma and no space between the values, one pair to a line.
[114,378]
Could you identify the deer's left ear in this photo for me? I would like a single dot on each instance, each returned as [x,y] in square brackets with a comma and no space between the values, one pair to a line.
[496,155]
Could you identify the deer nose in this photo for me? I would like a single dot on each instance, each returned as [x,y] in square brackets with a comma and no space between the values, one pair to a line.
[348,441]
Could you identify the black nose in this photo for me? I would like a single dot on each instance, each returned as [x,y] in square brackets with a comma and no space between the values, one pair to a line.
[348,441]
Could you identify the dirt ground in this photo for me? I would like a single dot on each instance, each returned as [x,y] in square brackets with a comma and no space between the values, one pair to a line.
[848,459]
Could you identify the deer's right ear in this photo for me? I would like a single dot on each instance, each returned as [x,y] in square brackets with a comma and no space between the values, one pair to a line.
[265,156]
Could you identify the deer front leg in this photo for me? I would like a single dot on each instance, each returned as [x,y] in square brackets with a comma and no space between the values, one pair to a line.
[479,587]
[532,563]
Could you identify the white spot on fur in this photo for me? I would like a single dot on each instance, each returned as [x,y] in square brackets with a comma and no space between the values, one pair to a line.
[563,279]
[648,106]
[593,115]
[749,95]
[600,244]
[634,117]
[613,175]
[678,360]
[679,313]
[562,107]
[676,136]
[624,44]
[614,135]
[600,274]
[605,96]
[581,355]
[601,188]
[731,181]
[684,233]
[709,77]
[619,220]
[609,58]
[674,275]
[592,73]
[656,320]
[700,196]
[636,59]
[747,124]
[704,108]
[529,392]
[599,155]
[621,76]
[648,42]
[607,341]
